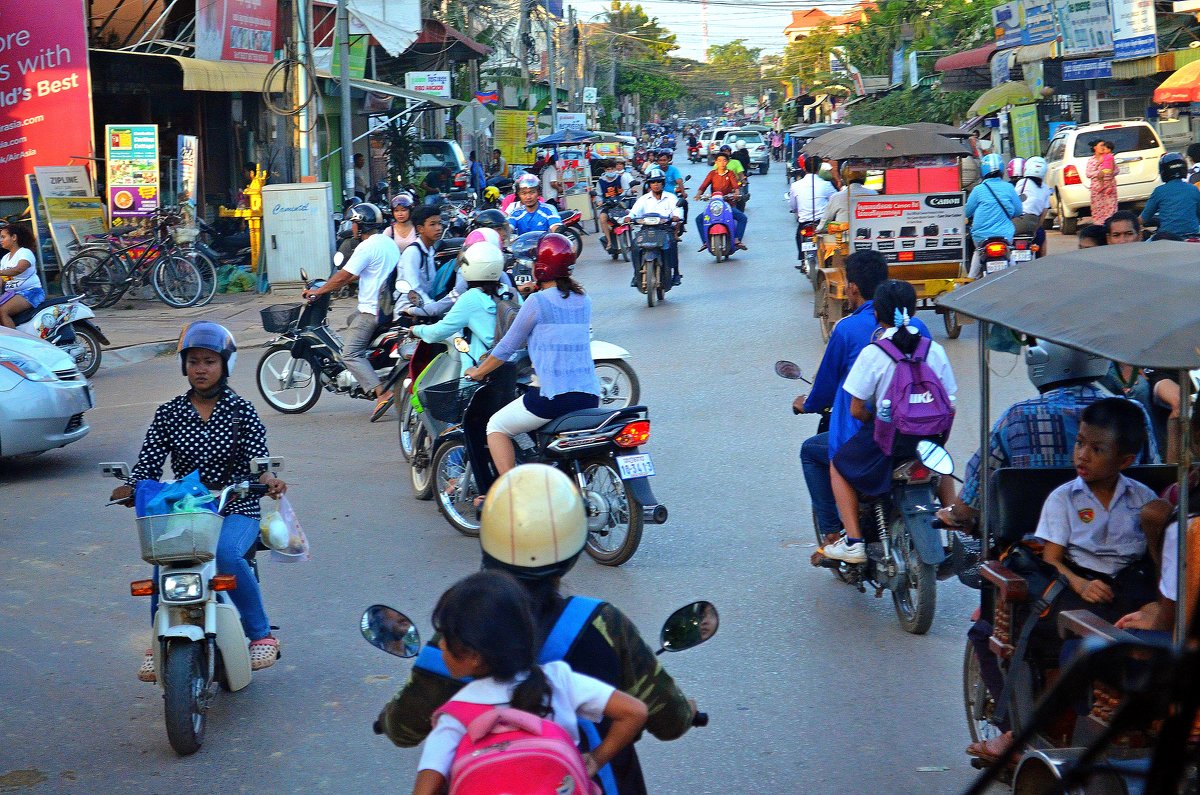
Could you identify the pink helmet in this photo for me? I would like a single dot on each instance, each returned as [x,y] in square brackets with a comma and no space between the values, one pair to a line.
[1016,168]
[482,235]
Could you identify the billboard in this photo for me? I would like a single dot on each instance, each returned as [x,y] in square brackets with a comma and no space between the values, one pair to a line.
[236,30]
[1086,26]
[515,129]
[1039,21]
[572,121]
[921,227]
[1008,19]
[1134,30]
[133,189]
[435,84]
[45,90]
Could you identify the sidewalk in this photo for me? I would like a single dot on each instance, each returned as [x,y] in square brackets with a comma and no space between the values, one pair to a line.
[140,329]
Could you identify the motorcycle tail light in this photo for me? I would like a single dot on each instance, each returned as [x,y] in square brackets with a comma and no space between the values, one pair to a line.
[141,588]
[807,231]
[1071,176]
[223,582]
[996,250]
[460,180]
[634,434]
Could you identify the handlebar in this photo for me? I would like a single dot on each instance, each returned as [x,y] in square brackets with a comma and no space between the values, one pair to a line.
[700,720]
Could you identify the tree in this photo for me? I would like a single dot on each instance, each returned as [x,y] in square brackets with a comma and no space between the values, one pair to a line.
[734,67]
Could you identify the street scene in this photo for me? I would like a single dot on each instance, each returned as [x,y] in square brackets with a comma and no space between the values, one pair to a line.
[509,397]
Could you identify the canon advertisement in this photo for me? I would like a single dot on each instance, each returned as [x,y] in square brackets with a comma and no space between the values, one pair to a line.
[912,228]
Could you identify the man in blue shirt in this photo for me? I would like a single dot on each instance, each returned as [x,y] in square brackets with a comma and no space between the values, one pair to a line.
[529,213]
[1176,202]
[675,183]
[990,208]
[865,270]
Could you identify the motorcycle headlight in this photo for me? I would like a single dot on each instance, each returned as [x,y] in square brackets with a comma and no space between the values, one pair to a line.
[181,587]
[26,368]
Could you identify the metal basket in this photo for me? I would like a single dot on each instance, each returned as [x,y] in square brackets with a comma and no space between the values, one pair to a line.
[278,318]
[967,554]
[448,402]
[179,537]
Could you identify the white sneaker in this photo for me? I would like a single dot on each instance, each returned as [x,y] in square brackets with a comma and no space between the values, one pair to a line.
[847,553]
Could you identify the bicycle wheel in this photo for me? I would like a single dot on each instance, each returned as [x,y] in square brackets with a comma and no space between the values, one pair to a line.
[208,274]
[176,281]
[92,275]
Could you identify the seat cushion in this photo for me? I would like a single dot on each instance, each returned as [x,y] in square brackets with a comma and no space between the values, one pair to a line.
[583,420]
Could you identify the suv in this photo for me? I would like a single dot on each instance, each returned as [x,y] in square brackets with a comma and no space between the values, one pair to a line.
[449,155]
[1136,149]
[756,145]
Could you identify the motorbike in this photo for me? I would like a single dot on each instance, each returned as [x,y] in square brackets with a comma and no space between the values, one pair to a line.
[654,237]
[996,254]
[694,155]
[1024,249]
[719,227]
[617,209]
[221,248]
[200,645]
[68,323]
[743,196]
[906,553]
[808,245]
[306,356]
[573,229]
[456,218]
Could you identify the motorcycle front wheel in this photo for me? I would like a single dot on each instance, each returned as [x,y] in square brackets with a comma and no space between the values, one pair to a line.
[977,701]
[408,425]
[619,385]
[305,389]
[89,363]
[650,274]
[614,514]
[420,468]
[916,599]
[183,694]
[455,489]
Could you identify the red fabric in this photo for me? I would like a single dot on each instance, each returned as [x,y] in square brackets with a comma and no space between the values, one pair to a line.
[970,59]
[725,185]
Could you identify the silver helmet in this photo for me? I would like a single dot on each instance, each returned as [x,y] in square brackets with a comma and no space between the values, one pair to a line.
[1049,363]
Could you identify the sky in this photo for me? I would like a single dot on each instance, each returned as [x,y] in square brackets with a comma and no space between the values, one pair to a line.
[760,22]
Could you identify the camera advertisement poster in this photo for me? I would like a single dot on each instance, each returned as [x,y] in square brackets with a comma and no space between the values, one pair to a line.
[912,228]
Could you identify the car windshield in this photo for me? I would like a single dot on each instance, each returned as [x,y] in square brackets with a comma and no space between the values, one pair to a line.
[748,137]
[1123,139]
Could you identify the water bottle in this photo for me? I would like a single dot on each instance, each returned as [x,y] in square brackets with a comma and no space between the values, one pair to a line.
[885,410]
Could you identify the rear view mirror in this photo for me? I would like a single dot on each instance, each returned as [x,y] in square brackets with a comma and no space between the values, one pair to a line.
[391,631]
[303,275]
[935,457]
[118,469]
[790,371]
[461,345]
[338,259]
[272,463]
[689,626]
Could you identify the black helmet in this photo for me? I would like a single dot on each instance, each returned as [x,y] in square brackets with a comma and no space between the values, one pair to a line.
[491,219]
[211,337]
[368,217]
[1172,166]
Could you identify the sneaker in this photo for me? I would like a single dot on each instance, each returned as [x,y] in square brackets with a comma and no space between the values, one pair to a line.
[676,280]
[846,553]
[146,672]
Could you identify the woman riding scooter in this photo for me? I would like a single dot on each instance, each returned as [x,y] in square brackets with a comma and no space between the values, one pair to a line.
[20,287]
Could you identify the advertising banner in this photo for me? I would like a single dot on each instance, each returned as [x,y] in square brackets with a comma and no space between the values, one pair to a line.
[515,129]
[45,91]
[1039,21]
[572,121]
[919,227]
[133,180]
[73,219]
[1008,19]
[1087,69]
[187,153]
[63,181]
[435,84]
[1134,30]
[236,30]
[55,182]
[1085,25]
[1023,122]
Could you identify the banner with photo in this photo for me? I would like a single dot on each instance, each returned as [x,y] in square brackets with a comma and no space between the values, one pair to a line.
[236,30]
[1085,26]
[133,178]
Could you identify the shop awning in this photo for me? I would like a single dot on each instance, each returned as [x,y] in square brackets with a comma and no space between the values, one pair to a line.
[1133,69]
[1182,86]
[970,59]
[199,75]
[1010,93]
[1032,53]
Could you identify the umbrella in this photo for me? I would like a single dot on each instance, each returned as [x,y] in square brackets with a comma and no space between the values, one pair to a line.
[563,137]
[1010,93]
[939,129]
[1182,86]
[868,141]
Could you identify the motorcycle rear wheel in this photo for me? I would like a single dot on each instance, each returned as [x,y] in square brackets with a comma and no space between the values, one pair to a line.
[408,425]
[91,359]
[619,385]
[454,486]
[618,539]
[575,237]
[297,399]
[916,601]
[183,694]
[953,327]
[977,700]
[650,274]
[420,468]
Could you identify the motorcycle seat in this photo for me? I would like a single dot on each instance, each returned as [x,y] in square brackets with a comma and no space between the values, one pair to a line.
[26,316]
[584,420]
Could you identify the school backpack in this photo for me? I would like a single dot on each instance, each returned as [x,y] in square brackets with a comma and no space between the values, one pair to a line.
[513,752]
[506,313]
[919,406]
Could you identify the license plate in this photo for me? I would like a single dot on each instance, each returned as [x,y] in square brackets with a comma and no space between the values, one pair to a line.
[1022,256]
[808,246]
[996,265]
[635,466]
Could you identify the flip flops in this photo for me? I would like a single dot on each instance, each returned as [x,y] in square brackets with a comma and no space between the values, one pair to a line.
[146,672]
[382,406]
[992,749]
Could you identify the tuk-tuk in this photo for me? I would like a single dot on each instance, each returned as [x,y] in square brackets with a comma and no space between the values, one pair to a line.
[1137,731]
[917,219]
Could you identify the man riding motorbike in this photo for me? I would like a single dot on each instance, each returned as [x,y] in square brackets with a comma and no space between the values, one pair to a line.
[534,527]
[723,181]
[613,184]
[530,213]
[674,181]
[742,155]
[1175,204]
[990,210]
[658,201]
[838,208]
[807,199]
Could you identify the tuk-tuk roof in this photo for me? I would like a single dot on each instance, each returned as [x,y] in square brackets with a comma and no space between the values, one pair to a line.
[1133,303]
[872,142]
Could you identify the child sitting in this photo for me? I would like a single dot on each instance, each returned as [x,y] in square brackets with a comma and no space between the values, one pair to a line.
[860,464]
[487,634]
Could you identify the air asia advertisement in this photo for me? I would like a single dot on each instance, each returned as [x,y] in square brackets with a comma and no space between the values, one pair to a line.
[236,30]
[45,95]
[923,227]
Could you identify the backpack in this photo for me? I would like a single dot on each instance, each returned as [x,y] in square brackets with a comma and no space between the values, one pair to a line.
[506,313]
[504,746]
[920,406]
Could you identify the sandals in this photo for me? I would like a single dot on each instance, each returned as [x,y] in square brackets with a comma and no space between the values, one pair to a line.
[263,653]
[146,672]
[992,749]
[381,407]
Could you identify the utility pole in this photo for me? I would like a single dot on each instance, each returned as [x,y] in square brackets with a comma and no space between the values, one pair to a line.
[523,53]
[550,71]
[308,153]
[347,134]
[572,70]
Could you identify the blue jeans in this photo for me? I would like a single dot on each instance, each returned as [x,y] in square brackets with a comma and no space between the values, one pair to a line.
[814,460]
[739,221]
[237,536]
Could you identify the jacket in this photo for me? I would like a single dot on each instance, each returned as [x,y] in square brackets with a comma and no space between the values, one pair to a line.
[990,208]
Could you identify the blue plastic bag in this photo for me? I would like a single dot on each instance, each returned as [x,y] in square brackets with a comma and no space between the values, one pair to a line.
[186,495]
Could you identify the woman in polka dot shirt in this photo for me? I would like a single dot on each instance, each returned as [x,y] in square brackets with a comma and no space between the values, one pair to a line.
[212,429]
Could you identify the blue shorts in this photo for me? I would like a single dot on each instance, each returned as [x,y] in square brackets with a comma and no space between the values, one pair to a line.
[34,295]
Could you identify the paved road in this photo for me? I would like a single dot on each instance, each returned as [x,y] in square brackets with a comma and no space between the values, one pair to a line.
[811,686]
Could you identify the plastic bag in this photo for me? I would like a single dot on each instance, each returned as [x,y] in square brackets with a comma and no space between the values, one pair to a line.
[282,534]
[186,495]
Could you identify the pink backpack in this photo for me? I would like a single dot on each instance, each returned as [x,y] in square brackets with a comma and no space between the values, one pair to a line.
[920,406]
[513,752]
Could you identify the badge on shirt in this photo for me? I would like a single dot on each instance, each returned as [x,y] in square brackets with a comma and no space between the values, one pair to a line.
[1087,515]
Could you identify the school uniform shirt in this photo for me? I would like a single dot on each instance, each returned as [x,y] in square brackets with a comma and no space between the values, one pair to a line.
[871,375]
[372,262]
[1034,199]
[419,268]
[667,206]
[573,696]
[808,197]
[1104,540]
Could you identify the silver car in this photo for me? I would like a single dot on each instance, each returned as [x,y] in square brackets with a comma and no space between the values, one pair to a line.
[43,396]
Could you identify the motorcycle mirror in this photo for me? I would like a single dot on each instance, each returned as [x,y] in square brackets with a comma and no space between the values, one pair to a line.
[391,631]
[338,259]
[415,298]
[689,626]
[303,275]
[461,345]
[688,178]
[790,371]
[935,457]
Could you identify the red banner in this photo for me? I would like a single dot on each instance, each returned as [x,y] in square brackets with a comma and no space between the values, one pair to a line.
[236,30]
[45,91]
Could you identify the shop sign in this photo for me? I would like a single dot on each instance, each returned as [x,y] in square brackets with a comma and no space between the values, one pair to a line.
[1087,69]
[1008,22]
[921,227]
[133,179]
[45,91]
[572,121]
[515,129]
[1085,26]
[236,30]
[187,153]
[1039,21]
[434,84]
[590,95]
[71,218]
[1023,122]
[1135,32]
[1001,67]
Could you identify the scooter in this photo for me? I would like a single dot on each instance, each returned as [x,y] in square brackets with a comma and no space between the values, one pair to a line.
[996,254]
[573,229]
[719,226]
[808,246]
[654,237]
[199,641]
[694,155]
[66,322]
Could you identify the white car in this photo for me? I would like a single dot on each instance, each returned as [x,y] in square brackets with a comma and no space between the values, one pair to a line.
[1136,149]
[43,396]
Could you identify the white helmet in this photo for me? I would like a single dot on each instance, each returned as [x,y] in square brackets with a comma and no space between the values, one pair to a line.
[1036,167]
[482,262]
[1016,168]
[740,145]
[533,523]
[527,181]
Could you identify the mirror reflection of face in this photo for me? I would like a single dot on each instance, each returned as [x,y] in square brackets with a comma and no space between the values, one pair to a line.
[391,631]
[708,621]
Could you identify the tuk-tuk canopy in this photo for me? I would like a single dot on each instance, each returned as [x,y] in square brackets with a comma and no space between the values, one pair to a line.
[1133,303]
[871,142]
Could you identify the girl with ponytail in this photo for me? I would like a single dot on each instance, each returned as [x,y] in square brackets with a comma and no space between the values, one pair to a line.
[488,636]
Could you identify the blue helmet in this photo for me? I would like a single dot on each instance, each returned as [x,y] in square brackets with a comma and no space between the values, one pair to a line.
[992,164]
[211,337]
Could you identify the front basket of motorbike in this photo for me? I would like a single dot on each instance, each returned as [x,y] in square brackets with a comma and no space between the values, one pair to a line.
[278,318]
[179,537]
[448,402]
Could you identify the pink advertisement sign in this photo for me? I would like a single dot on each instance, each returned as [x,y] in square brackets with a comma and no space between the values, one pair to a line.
[236,30]
[45,94]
